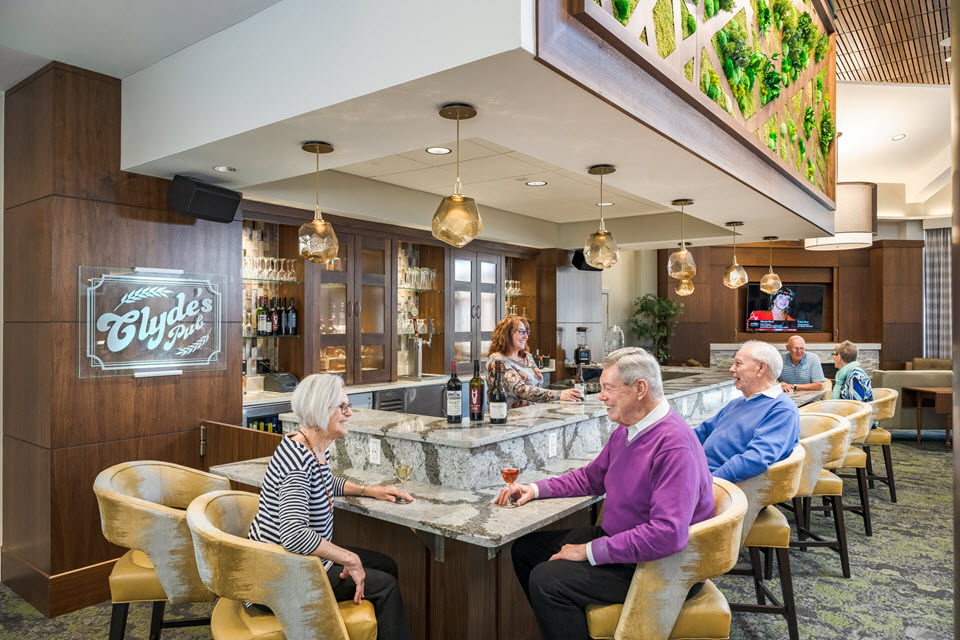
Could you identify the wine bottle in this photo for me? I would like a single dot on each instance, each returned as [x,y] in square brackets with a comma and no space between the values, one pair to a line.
[498,398]
[261,315]
[283,316]
[274,318]
[292,319]
[454,396]
[476,394]
[578,379]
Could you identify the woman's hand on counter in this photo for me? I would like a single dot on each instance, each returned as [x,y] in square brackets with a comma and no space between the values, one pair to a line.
[522,493]
[388,494]
[571,395]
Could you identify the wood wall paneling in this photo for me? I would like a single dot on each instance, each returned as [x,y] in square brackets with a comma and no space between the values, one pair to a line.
[854,297]
[228,443]
[28,142]
[26,580]
[27,503]
[28,386]
[76,538]
[72,232]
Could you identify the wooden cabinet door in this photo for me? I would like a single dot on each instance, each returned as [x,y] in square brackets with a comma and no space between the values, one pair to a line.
[329,312]
[372,302]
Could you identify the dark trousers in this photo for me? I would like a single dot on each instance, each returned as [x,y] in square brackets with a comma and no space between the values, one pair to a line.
[380,588]
[559,590]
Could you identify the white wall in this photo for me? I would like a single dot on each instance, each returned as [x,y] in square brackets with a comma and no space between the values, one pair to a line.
[634,275]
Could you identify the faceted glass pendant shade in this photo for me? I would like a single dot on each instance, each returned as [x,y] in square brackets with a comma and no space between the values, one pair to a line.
[601,250]
[734,276]
[457,220]
[770,283]
[684,287]
[681,265]
[318,242]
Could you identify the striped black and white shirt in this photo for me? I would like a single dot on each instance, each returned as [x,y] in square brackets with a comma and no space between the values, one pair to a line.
[294,511]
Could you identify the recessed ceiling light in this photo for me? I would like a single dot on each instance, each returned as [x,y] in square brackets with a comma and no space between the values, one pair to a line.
[898,137]
[536,183]
[604,204]
[438,151]
[225,169]
[945,42]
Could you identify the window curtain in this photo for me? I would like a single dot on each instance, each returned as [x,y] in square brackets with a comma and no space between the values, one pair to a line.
[936,294]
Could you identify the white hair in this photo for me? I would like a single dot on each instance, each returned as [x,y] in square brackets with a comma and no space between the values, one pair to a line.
[316,398]
[634,363]
[766,353]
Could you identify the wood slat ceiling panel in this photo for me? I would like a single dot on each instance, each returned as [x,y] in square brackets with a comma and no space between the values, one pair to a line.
[893,41]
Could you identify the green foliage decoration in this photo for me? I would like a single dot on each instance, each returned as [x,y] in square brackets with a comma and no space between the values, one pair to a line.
[770,78]
[709,9]
[688,23]
[809,122]
[822,47]
[654,321]
[621,10]
[810,172]
[762,10]
[663,26]
[779,10]
[828,130]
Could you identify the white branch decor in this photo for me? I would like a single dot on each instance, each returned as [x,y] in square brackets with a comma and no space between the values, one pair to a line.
[185,351]
[139,294]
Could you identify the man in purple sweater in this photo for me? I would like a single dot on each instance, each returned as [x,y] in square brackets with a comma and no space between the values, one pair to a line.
[655,477]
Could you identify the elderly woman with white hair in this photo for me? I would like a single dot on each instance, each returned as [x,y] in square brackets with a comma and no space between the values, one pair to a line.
[296,505]
[751,433]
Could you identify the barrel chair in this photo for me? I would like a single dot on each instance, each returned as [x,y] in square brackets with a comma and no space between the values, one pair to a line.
[859,414]
[142,508]
[295,587]
[884,405]
[826,439]
[655,607]
[766,528]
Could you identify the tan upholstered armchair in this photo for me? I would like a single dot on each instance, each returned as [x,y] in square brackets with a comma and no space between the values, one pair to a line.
[295,587]
[777,484]
[142,508]
[884,405]
[655,608]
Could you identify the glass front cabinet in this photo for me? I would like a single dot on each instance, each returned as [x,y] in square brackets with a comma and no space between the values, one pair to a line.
[477,305]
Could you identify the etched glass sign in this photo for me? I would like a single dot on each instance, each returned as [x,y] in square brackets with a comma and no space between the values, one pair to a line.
[139,321]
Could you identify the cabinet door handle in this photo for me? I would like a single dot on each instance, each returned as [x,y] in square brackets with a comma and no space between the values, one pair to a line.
[349,308]
[356,308]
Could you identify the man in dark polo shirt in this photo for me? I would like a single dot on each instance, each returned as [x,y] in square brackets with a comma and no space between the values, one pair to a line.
[801,370]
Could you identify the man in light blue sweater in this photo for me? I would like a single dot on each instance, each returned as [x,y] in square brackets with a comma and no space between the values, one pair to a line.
[751,433]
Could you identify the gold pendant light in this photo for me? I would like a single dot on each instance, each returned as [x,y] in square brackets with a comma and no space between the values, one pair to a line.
[770,283]
[684,286]
[681,265]
[734,276]
[457,220]
[318,242]
[601,250]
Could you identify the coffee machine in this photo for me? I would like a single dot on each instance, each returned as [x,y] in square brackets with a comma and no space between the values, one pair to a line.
[582,353]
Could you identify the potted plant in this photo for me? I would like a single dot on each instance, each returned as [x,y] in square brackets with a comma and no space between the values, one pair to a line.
[654,320]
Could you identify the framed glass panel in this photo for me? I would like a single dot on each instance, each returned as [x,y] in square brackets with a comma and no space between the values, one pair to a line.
[332,359]
[462,310]
[372,357]
[488,272]
[488,311]
[484,349]
[372,261]
[340,262]
[461,270]
[371,309]
[462,351]
[333,308]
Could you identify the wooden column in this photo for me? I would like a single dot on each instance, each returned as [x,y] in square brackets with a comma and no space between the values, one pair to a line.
[68,204]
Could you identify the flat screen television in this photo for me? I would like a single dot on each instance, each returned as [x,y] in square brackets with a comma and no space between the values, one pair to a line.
[795,308]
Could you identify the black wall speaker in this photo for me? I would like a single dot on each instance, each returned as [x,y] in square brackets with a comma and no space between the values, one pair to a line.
[201,200]
[581,263]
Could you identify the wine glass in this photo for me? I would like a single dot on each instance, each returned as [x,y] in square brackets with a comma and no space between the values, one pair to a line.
[509,475]
[403,472]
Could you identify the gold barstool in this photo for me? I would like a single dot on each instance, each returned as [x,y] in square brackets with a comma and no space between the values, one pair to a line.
[826,439]
[859,414]
[142,508]
[656,607]
[765,528]
[295,587]
[884,405]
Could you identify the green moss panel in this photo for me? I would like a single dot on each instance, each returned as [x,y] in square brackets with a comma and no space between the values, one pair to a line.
[796,100]
[688,24]
[623,9]
[710,83]
[663,26]
[643,36]
[688,70]
[770,133]
[739,84]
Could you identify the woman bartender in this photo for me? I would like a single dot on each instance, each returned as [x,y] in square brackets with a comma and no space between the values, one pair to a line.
[521,377]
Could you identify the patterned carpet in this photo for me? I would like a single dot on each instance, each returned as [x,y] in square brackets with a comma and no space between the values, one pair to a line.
[902,584]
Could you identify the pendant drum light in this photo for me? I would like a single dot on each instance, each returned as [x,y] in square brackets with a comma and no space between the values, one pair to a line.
[855,220]
[685,286]
[457,220]
[770,283]
[601,250]
[318,242]
[681,265]
[734,276]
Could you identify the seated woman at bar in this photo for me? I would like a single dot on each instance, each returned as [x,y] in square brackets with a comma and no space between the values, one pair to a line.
[296,505]
[852,382]
[522,379]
